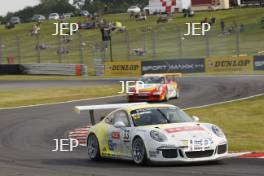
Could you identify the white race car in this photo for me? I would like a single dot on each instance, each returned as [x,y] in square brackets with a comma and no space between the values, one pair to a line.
[145,132]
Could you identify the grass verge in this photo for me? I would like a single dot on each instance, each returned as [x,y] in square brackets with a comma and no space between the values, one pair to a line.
[23,97]
[242,122]
[50,77]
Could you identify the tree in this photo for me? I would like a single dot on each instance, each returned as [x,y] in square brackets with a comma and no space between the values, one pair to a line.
[45,8]
[78,3]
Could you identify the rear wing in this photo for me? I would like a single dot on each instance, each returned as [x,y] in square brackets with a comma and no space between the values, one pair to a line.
[164,74]
[91,108]
[174,74]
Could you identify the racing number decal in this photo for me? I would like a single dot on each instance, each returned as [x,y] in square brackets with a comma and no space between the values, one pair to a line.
[126,136]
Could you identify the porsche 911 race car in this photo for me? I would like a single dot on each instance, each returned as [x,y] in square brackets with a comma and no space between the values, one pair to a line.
[145,132]
[157,87]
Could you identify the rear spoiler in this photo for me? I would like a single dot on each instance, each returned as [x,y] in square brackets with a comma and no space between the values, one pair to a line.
[91,108]
[167,74]
[174,74]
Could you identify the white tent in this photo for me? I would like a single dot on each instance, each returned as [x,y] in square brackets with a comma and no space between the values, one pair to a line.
[169,6]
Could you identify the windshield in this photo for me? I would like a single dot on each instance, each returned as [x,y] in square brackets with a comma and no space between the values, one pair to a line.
[155,116]
[153,80]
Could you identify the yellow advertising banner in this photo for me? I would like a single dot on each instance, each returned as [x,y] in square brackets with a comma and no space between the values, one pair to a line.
[229,64]
[123,68]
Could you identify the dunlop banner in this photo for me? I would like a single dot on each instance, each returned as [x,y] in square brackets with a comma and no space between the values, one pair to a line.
[229,64]
[123,68]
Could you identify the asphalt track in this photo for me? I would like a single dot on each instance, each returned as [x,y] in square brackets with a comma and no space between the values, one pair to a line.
[26,135]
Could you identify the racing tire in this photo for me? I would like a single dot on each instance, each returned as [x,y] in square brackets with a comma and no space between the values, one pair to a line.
[166,98]
[93,148]
[177,94]
[139,153]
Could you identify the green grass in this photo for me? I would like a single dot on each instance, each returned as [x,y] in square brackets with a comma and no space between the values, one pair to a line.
[166,39]
[23,97]
[242,122]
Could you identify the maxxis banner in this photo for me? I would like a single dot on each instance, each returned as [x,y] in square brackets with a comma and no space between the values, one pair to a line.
[229,64]
[259,63]
[123,68]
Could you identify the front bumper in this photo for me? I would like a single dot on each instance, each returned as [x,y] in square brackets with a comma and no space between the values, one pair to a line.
[163,154]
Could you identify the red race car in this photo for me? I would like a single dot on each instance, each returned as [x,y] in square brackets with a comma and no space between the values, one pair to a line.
[156,87]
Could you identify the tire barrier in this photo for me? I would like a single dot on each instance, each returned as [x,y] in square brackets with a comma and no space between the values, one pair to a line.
[10,69]
[55,69]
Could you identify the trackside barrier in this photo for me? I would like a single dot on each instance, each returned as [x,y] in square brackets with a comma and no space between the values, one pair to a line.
[259,63]
[123,68]
[229,64]
[55,69]
[195,65]
[10,69]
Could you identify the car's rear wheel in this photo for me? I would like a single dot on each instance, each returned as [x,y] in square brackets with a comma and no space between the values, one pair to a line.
[177,93]
[139,153]
[93,148]
[166,96]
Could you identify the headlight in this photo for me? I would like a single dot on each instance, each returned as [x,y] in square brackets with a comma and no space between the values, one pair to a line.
[157,136]
[217,131]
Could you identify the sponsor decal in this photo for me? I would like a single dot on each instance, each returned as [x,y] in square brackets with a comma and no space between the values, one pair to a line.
[174,66]
[259,63]
[129,68]
[199,144]
[181,129]
[115,135]
[229,64]
[112,145]
[126,135]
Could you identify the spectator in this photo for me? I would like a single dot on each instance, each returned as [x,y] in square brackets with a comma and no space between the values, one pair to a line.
[205,20]
[222,24]
[132,15]
[35,30]
[212,20]
[242,28]
[9,25]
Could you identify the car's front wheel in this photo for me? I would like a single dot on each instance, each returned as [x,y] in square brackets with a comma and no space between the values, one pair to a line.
[139,153]
[93,148]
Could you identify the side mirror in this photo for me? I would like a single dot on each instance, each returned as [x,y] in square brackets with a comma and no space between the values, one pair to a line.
[195,118]
[119,124]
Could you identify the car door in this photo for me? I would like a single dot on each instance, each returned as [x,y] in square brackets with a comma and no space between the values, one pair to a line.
[119,137]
